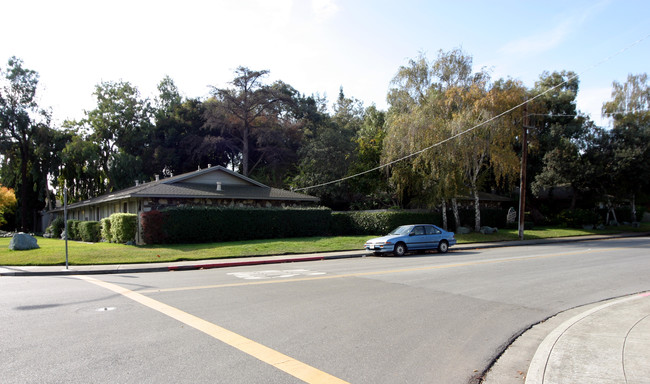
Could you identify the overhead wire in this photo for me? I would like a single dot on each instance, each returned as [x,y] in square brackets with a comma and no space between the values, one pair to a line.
[381,166]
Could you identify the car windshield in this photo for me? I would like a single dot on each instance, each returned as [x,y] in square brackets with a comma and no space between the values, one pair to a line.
[403,230]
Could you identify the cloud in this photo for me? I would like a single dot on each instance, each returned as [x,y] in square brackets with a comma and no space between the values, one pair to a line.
[540,42]
[324,9]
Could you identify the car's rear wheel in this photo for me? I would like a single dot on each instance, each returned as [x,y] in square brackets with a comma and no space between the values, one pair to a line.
[400,249]
[443,247]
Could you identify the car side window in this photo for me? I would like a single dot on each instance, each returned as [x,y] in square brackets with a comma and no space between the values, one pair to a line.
[433,230]
[419,230]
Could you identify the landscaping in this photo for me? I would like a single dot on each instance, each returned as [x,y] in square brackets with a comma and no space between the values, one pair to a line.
[52,251]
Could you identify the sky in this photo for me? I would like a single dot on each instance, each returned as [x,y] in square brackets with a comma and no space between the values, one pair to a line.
[316,46]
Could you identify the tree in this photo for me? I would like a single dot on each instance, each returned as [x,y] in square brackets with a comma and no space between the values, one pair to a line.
[20,120]
[630,151]
[120,126]
[244,113]
[7,203]
[328,152]
[432,102]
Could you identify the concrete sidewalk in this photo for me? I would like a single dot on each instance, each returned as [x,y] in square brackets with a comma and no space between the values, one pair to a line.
[259,260]
[606,344]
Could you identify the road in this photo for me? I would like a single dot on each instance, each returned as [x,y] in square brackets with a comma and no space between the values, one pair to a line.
[426,318]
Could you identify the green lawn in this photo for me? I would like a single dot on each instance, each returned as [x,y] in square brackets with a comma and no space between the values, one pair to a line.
[52,252]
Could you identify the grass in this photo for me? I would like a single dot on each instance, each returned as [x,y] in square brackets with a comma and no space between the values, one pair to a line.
[52,252]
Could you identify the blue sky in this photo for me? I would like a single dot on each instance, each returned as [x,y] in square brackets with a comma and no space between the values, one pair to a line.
[317,46]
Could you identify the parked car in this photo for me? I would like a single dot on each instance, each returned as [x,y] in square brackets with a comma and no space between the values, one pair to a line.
[416,237]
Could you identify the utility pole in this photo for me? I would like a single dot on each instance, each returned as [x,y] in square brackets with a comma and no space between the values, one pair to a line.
[522,183]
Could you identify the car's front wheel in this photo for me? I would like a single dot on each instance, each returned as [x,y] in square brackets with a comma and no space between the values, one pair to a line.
[400,249]
[443,247]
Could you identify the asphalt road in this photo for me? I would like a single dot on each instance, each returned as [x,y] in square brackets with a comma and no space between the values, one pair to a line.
[425,318]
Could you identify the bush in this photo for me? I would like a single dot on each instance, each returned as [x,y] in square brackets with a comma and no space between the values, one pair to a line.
[56,227]
[576,218]
[152,227]
[89,231]
[106,229]
[123,227]
[212,224]
[73,230]
[378,222]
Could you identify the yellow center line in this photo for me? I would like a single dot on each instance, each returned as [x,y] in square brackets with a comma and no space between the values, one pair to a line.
[374,273]
[272,357]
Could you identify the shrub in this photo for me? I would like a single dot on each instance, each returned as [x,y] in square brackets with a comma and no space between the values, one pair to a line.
[73,230]
[106,229]
[211,224]
[56,227]
[123,227]
[152,227]
[89,231]
[576,218]
[378,222]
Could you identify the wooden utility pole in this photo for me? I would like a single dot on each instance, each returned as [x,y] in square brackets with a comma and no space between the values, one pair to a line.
[522,183]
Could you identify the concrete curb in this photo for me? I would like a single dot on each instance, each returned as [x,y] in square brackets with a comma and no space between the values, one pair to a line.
[260,260]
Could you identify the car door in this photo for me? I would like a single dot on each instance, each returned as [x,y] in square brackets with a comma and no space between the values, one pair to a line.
[434,235]
[418,238]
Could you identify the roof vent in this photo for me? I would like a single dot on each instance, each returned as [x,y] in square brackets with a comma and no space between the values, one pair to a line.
[209,165]
[199,168]
[157,177]
[137,183]
[218,185]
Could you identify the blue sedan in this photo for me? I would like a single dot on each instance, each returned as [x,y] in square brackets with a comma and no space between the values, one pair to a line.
[417,237]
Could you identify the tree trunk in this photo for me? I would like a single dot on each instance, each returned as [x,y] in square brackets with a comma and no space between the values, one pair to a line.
[633,203]
[244,155]
[23,191]
[477,210]
[444,215]
[454,207]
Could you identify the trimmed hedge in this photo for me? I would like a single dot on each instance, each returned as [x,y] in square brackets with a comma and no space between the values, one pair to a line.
[576,218]
[89,231]
[377,223]
[73,229]
[214,224]
[106,229]
[123,227]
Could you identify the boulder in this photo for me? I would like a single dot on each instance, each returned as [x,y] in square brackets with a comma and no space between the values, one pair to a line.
[488,230]
[463,230]
[22,241]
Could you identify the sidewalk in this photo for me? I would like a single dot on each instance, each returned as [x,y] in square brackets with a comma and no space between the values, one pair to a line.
[606,344]
[259,260]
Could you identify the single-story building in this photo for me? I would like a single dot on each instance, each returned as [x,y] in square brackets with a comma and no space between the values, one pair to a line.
[212,186]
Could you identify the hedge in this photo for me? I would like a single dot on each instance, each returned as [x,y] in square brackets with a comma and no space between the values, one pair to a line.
[123,227]
[382,222]
[214,224]
[73,230]
[89,231]
[106,229]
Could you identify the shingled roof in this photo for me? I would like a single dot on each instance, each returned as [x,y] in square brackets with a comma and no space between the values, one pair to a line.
[210,183]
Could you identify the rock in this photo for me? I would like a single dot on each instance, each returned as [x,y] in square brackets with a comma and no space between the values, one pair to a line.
[463,230]
[488,230]
[22,241]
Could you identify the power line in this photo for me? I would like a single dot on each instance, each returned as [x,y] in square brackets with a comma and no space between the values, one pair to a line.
[478,125]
